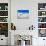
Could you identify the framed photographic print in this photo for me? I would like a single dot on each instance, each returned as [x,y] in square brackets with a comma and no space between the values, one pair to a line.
[22,14]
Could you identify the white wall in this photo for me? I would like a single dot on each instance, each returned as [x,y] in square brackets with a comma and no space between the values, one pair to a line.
[23,24]
[32,5]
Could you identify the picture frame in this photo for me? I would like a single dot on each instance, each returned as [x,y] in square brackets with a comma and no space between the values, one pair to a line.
[22,14]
